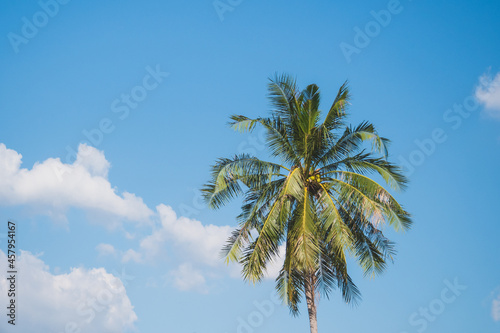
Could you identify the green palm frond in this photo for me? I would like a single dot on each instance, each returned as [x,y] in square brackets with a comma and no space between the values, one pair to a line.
[229,174]
[277,138]
[335,116]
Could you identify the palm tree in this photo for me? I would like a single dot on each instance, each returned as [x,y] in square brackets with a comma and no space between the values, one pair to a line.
[315,199]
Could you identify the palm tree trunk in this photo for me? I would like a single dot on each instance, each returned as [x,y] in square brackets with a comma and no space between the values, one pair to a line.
[311,303]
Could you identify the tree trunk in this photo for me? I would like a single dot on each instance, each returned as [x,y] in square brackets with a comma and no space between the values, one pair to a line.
[311,303]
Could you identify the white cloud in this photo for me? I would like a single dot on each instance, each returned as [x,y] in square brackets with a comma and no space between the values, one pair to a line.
[131,255]
[105,249]
[187,242]
[84,300]
[129,235]
[192,243]
[52,186]
[495,309]
[195,241]
[274,267]
[186,278]
[488,93]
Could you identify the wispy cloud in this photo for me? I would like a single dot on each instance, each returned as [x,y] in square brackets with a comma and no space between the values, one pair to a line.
[187,278]
[488,94]
[105,249]
[131,255]
[495,309]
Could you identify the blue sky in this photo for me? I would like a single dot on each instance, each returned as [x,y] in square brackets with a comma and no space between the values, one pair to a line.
[111,114]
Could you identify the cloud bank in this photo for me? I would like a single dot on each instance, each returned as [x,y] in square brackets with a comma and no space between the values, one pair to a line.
[52,186]
[196,245]
[200,243]
[84,300]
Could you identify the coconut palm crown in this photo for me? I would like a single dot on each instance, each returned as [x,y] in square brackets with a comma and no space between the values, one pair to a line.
[314,199]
